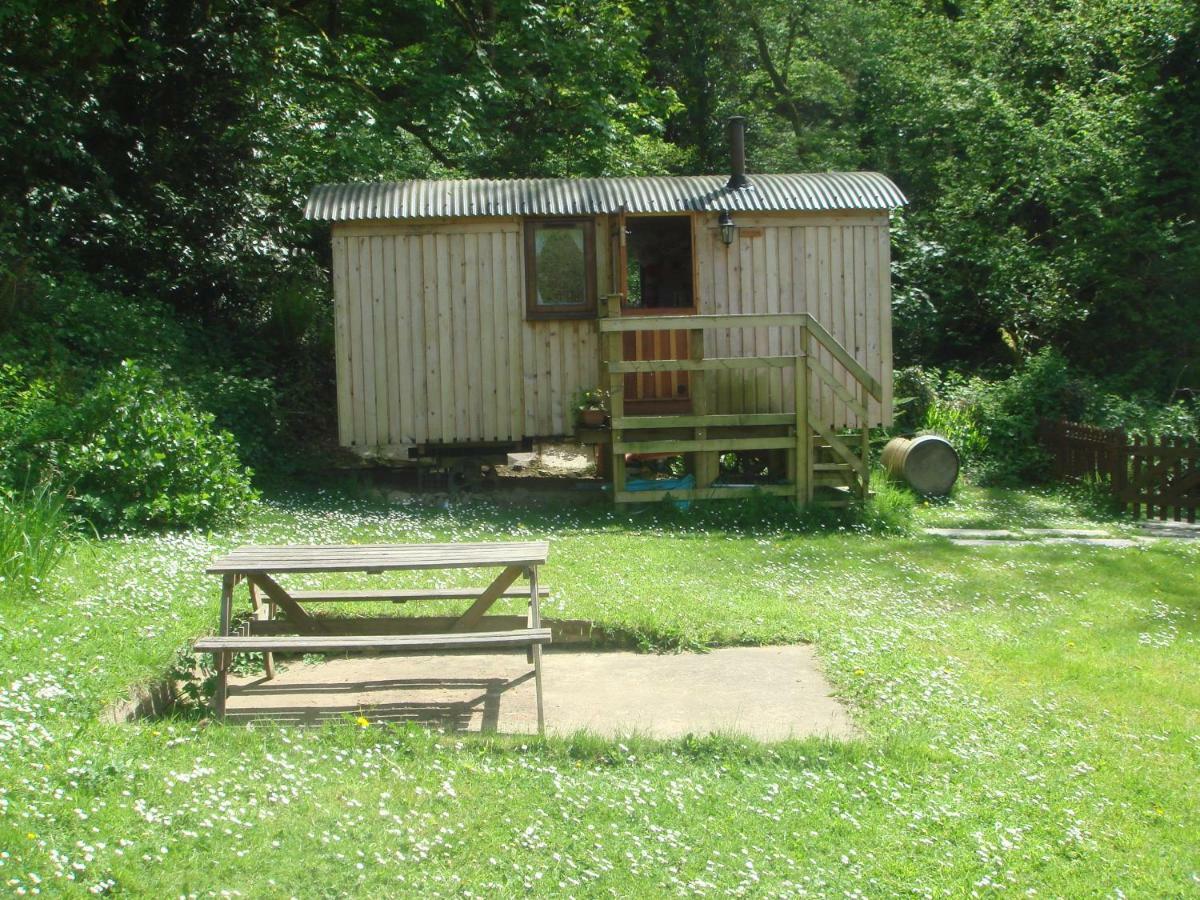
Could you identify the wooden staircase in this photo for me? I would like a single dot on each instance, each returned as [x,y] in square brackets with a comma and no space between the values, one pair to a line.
[825,465]
[836,481]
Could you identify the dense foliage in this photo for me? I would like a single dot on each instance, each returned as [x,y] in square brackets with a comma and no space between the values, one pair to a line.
[131,451]
[155,155]
[993,423]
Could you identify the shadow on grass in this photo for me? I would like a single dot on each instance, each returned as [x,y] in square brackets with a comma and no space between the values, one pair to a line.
[1040,507]
[889,513]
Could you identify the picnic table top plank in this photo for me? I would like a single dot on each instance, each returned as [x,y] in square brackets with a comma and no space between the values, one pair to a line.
[405,595]
[377,557]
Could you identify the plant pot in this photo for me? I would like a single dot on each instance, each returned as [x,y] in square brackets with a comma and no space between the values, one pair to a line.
[592,418]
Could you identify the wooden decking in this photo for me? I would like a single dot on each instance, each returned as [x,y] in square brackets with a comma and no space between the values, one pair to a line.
[818,455]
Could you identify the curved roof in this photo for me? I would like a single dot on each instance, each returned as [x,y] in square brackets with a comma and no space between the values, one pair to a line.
[477,197]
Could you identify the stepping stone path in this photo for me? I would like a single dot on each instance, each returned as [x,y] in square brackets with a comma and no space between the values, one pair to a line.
[990,537]
[1180,531]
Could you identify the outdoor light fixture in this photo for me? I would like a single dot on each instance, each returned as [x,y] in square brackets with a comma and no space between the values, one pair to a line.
[725,223]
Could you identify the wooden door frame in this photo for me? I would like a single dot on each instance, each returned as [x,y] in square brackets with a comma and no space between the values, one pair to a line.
[655,404]
[626,310]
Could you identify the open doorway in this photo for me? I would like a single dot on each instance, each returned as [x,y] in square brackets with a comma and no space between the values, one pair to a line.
[658,276]
[659,261]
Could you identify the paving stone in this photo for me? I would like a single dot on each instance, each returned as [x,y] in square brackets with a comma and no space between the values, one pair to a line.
[977,534]
[1094,541]
[1118,543]
[521,460]
[1066,532]
[988,542]
[1182,531]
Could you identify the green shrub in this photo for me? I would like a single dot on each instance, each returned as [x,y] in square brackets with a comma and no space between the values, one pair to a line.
[34,529]
[72,329]
[138,453]
[889,510]
[245,407]
[916,389]
[958,422]
[72,326]
[30,419]
[993,423]
[1137,415]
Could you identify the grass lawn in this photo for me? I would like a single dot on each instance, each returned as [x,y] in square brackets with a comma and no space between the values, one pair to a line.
[1030,718]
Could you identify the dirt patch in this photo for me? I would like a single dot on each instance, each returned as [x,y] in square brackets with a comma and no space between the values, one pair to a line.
[551,461]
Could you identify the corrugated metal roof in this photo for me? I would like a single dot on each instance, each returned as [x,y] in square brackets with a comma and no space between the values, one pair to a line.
[596,196]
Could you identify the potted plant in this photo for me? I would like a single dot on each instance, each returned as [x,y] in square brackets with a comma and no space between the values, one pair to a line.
[592,408]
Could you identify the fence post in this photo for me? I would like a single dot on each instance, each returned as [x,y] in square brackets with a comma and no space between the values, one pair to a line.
[1193,470]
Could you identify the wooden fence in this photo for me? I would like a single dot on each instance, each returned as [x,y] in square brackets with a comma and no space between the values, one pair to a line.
[1159,476]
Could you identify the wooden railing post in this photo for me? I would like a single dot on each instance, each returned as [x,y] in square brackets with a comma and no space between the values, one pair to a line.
[705,461]
[865,451]
[614,352]
[803,464]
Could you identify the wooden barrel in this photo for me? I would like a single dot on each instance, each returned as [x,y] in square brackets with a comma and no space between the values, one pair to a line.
[928,463]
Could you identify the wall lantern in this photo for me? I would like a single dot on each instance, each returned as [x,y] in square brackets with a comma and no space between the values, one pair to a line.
[725,223]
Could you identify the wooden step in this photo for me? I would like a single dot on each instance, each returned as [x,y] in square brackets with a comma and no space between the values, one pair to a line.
[838,496]
[829,480]
[404,596]
[692,446]
[372,643]
[715,492]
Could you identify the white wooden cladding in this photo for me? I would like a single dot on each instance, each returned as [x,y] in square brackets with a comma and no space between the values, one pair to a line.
[835,269]
[432,345]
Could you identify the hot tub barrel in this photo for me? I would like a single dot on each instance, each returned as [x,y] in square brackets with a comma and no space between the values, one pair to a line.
[928,463]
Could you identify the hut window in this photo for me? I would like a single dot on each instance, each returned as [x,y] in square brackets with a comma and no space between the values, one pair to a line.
[560,269]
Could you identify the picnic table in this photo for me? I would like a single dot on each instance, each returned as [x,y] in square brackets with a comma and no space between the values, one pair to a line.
[302,632]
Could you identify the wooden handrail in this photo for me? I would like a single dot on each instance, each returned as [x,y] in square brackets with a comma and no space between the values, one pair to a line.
[843,393]
[851,365]
[717,420]
[611,324]
[686,323]
[711,364]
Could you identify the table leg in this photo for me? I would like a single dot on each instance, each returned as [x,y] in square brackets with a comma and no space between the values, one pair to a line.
[223,658]
[536,622]
[534,617]
[256,604]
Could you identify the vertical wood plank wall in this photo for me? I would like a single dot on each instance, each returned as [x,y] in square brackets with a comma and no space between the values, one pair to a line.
[432,345]
[834,267]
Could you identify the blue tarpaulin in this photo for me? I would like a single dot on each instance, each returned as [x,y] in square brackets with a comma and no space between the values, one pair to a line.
[686,483]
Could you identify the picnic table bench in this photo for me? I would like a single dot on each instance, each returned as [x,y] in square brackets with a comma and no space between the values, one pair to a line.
[258,567]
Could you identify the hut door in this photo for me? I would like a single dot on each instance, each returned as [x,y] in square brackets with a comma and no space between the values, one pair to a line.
[655,258]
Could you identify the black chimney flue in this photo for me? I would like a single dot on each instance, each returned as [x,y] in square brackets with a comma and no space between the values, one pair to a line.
[737,153]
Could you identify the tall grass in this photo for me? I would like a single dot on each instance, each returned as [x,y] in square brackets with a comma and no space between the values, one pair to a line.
[34,530]
[959,424]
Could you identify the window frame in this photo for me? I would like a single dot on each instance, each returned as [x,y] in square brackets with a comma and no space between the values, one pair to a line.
[585,310]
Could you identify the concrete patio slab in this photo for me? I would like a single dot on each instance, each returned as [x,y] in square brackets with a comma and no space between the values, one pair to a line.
[767,693]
